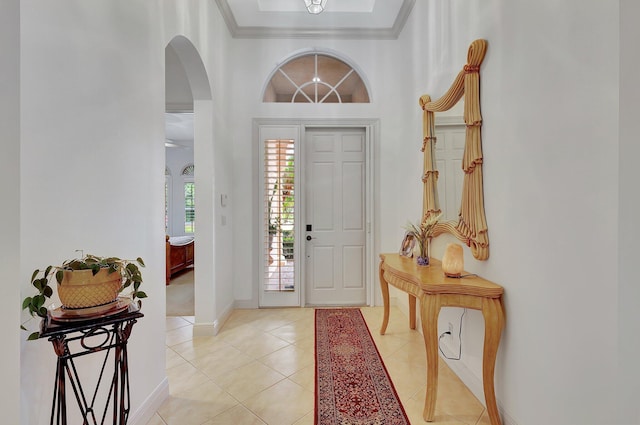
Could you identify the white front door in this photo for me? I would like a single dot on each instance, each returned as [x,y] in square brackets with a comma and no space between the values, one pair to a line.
[335,224]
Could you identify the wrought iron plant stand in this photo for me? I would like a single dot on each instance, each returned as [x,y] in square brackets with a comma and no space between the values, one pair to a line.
[72,338]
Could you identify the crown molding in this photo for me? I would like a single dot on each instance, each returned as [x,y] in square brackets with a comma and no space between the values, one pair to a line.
[392,33]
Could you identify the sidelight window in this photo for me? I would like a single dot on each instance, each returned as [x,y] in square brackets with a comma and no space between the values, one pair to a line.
[279,207]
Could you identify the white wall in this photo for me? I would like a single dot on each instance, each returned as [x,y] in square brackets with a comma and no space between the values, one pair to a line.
[550,135]
[10,212]
[629,211]
[391,100]
[92,164]
[93,124]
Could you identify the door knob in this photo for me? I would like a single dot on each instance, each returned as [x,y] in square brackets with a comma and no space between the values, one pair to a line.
[309,237]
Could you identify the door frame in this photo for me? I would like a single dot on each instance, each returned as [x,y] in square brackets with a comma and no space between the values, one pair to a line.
[279,299]
[372,137]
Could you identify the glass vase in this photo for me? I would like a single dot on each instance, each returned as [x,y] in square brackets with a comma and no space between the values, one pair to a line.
[422,259]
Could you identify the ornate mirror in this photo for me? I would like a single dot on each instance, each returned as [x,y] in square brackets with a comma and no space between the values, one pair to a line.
[471,226]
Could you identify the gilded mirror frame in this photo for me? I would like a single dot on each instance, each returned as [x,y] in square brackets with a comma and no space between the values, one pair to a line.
[471,227]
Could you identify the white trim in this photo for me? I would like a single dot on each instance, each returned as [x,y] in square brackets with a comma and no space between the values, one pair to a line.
[391,33]
[285,132]
[150,406]
[212,329]
[246,304]
[371,259]
[473,382]
[206,329]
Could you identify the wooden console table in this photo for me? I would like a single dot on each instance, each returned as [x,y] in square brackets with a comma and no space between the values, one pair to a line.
[434,290]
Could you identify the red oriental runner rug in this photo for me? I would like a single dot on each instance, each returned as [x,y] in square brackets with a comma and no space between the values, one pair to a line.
[352,383]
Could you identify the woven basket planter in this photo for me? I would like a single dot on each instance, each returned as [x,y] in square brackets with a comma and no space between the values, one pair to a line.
[81,289]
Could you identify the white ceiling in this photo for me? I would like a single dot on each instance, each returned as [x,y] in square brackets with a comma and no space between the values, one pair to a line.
[179,130]
[351,19]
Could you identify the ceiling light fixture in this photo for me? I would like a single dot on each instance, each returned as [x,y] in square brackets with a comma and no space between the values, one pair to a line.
[315,6]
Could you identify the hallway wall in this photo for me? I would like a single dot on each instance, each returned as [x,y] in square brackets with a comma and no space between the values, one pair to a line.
[92,114]
[92,164]
[10,213]
[550,141]
[628,348]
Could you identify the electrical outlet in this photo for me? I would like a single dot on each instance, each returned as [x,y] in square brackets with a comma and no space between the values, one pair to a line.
[451,329]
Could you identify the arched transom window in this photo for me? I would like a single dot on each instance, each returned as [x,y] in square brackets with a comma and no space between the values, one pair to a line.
[188,170]
[316,78]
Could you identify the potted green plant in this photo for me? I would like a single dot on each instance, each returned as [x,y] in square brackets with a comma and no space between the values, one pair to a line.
[84,283]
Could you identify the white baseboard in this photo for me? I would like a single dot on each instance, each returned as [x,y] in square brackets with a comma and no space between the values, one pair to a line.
[245,304]
[205,329]
[224,315]
[471,380]
[151,405]
[212,329]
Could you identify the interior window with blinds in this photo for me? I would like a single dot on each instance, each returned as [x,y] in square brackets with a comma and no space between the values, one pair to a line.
[279,207]
[189,199]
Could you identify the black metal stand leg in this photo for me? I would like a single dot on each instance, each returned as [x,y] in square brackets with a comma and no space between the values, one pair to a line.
[58,405]
[111,339]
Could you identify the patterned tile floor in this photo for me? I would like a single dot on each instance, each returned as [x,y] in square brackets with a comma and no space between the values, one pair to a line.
[260,370]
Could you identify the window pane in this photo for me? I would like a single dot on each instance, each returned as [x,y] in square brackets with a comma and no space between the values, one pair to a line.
[189,207]
[279,203]
[315,75]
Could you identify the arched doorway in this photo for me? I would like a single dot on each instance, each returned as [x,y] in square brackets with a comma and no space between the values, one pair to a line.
[200,104]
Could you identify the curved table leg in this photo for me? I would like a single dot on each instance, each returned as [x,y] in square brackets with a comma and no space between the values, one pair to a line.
[412,311]
[493,313]
[384,286]
[429,311]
